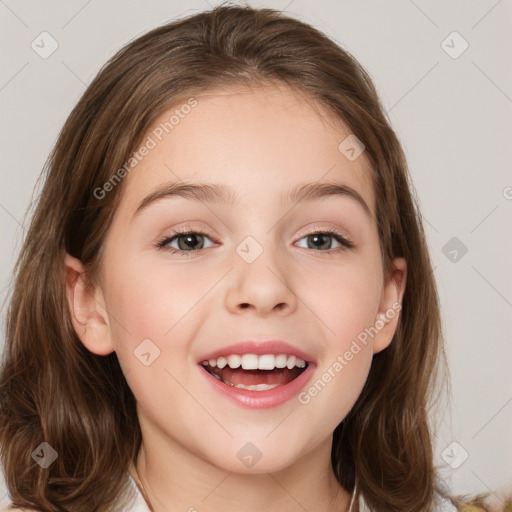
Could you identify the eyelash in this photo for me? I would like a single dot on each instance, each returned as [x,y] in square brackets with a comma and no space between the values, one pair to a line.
[346,244]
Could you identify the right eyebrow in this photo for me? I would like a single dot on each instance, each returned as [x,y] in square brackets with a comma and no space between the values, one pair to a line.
[202,192]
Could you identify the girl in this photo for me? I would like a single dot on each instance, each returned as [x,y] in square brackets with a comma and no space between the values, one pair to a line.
[224,300]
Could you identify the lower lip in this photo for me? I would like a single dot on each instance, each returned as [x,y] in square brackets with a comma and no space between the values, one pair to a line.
[261,399]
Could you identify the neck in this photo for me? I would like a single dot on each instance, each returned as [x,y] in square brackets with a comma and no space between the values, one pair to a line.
[174,480]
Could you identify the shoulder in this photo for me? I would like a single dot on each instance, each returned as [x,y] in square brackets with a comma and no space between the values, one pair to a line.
[482,503]
[445,505]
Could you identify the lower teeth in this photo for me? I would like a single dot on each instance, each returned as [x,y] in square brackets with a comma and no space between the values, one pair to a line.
[255,387]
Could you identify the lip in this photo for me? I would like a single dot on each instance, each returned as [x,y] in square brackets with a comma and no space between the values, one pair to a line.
[261,399]
[259,348]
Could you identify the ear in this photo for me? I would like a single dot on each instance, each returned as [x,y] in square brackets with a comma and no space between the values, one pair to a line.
[87,307]
[390,306]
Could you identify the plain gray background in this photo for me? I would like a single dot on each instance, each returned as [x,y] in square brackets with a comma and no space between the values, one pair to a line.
[452,112]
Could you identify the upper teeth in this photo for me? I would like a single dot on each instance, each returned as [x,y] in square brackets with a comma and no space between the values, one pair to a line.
[254,362]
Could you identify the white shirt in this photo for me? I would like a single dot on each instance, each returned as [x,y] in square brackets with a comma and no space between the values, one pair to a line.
[138,505]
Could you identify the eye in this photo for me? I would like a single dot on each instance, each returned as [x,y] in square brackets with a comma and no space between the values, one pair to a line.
[320,240]
[183,241]
[186,240]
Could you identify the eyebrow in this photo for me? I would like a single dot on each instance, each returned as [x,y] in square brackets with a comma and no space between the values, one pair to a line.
[214,192]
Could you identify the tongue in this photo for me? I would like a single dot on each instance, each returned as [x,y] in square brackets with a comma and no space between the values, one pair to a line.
[278,376]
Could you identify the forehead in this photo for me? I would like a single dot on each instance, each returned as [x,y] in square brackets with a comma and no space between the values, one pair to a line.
[258,139]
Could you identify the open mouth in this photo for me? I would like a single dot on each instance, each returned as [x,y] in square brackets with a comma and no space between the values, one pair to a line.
[255,373]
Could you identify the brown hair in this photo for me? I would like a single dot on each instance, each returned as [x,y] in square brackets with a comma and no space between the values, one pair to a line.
[52,389]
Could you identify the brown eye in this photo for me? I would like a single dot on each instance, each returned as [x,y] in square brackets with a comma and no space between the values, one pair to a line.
[319,241]
[188,241]
[191,242]
[322,241]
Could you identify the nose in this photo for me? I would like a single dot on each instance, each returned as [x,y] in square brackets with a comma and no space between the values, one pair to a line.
[262,286]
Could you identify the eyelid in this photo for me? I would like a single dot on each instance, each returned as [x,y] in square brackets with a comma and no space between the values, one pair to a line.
[318,228]
[185,229]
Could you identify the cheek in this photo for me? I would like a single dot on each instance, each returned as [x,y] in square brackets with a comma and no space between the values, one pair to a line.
[345,298]
[153,317]
[154,311]
[150,300]
[345,301]
[345,305]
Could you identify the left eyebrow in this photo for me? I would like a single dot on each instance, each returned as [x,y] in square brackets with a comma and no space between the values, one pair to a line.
[214,192]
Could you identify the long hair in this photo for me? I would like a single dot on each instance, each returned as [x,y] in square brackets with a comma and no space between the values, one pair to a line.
[53,390]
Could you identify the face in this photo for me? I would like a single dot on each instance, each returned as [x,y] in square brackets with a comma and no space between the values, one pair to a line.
[259,263]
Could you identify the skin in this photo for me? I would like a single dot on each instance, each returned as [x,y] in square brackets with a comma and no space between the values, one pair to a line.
[260,141]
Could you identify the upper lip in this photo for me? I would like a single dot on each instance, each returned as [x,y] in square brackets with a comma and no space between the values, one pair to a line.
[259,348]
